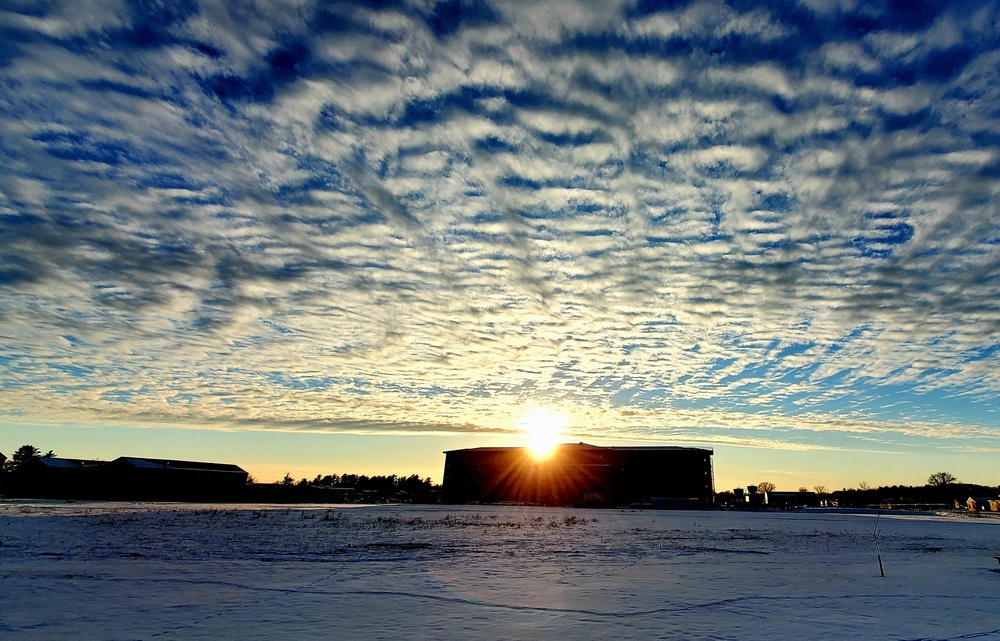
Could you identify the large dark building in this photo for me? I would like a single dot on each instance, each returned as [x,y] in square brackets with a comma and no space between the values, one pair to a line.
[126,478]
[581,474]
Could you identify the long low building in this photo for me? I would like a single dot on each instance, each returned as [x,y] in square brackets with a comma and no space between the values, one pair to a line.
[581,474]
[126,478]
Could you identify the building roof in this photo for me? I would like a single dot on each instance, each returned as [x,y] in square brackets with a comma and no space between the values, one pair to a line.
[51,462]
[588,446]
[164,464]
[647,448]
[65,463]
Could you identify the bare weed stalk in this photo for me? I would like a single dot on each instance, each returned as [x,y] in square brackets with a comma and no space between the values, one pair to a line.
[878,553]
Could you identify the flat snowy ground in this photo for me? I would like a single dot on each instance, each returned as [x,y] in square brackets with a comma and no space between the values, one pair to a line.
[144,571]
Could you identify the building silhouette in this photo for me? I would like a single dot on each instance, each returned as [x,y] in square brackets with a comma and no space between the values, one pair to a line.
[581,474]
[126,479]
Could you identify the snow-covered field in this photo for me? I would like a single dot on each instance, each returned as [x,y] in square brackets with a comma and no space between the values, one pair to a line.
[135,571]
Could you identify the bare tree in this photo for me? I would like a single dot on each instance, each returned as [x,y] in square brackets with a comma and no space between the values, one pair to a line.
[819,489]
[938,479]
[766,486]
[878,553]
[863,486]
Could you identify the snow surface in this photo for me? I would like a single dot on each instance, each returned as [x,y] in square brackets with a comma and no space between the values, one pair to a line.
[169,571]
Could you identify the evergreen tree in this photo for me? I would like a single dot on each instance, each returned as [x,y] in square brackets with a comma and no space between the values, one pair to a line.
[25,453]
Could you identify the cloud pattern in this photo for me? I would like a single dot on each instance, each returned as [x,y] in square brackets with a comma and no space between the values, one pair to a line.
[771,224]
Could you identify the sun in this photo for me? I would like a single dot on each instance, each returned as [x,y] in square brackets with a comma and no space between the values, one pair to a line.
[541,429]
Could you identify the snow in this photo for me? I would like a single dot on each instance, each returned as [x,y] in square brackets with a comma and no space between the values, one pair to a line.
[172,571]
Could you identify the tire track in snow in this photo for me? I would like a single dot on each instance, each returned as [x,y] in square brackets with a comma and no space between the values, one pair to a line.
[271,595]
[971,635]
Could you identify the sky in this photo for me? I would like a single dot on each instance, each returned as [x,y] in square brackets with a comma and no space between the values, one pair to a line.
[328,237]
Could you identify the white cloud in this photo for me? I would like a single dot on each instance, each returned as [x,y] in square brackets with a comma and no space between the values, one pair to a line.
[415,221]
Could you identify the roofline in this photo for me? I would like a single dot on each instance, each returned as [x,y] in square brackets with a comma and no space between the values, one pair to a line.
[173,460]
[170,463]
[63,459]
[614,448]
[186,465]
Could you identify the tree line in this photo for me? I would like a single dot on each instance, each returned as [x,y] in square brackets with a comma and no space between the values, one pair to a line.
[941,488]
[382,487]
[937,479]
[345,488]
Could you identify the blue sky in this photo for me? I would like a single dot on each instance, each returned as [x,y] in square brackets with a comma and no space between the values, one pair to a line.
[770,228]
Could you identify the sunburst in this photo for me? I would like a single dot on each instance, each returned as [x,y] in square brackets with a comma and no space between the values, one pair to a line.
[542,429]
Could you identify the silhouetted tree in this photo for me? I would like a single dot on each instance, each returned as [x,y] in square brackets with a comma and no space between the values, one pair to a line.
[820,489]
[379,487]
[413,485]
[327,480]
[937,479]
[766,486]
[24,453]
[288,480]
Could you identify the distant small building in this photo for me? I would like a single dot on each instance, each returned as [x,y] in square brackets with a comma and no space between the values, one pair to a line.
[581,474]
[791,499]
[982,504]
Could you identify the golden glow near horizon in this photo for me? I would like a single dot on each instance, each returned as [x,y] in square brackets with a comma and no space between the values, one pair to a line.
[541,429]
[709,249]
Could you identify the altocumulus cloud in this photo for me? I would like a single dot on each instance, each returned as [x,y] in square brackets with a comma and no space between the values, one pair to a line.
[763,223]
